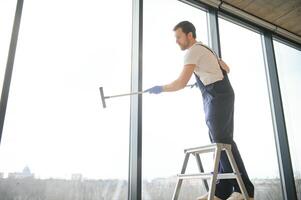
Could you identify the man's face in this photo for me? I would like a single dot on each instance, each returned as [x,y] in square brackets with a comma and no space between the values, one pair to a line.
[182,39]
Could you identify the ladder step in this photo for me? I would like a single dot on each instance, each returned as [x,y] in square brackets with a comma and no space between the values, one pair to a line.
[207,176]
[207,148]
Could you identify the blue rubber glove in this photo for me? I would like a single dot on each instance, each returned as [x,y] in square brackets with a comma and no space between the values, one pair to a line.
[155,90]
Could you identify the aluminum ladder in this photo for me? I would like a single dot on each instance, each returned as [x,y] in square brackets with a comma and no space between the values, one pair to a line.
[213,176]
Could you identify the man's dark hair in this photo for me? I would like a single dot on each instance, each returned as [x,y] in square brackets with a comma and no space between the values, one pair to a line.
[186,27]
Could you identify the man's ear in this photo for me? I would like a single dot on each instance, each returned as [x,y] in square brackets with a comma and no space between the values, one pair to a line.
[190,36]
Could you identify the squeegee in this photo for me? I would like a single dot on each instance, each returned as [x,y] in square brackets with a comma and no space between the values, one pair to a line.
[103,97]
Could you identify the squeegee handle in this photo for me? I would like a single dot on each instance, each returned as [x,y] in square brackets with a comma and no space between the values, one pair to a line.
[126,94]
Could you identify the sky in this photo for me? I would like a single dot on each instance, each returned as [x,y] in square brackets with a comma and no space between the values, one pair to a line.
[55,123]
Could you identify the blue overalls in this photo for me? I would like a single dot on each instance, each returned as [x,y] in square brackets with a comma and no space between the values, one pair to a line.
[218,100]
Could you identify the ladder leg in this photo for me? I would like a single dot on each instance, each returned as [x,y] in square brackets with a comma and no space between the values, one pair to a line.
[201,169]
[215,172]
[237,173]
[179,181]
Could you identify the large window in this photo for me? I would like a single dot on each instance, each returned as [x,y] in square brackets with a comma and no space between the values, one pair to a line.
[253,127]
[58,142]
[288,61]
[171,121]
[7,13]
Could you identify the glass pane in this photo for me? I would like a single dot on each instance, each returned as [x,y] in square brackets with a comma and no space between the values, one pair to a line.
[172,121]
[253,128]
[58,141]
[288,63]
[7,14]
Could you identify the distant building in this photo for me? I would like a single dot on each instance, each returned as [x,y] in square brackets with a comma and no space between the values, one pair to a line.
[24,174]
[1,175]
[77,177]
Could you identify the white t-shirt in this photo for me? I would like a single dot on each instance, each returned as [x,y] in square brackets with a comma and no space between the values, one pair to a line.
[207,67]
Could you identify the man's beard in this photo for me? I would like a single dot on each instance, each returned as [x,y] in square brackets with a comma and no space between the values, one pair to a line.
[184,47]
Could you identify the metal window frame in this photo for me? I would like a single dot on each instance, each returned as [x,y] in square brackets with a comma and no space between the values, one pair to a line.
[214,38]
[196,4]
[281,138]
[257,28]
[10,64]
[286,42]
[135,140]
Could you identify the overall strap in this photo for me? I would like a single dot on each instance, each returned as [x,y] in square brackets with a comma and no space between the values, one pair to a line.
[223,71]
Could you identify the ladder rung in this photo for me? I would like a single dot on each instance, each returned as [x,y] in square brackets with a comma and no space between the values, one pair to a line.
[193,176]
[207,148]
[207,176]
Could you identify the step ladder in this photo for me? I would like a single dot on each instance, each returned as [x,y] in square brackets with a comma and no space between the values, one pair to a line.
[213,176]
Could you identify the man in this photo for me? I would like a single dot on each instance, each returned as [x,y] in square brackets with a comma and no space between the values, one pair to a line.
[218,101]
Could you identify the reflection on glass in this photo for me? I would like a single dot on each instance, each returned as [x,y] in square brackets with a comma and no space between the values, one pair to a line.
[253,129]
[288,62]
[7,12]
[171,121]
[58,142]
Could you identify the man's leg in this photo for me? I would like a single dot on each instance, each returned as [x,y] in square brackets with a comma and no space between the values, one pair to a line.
[224,187]
[226,168]
[223,133]
[241,167]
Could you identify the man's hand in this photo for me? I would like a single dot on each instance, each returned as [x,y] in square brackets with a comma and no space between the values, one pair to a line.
[194,85]
[155,90]
[224,65]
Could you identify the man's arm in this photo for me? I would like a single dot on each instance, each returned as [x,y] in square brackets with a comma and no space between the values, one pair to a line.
[182,80]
